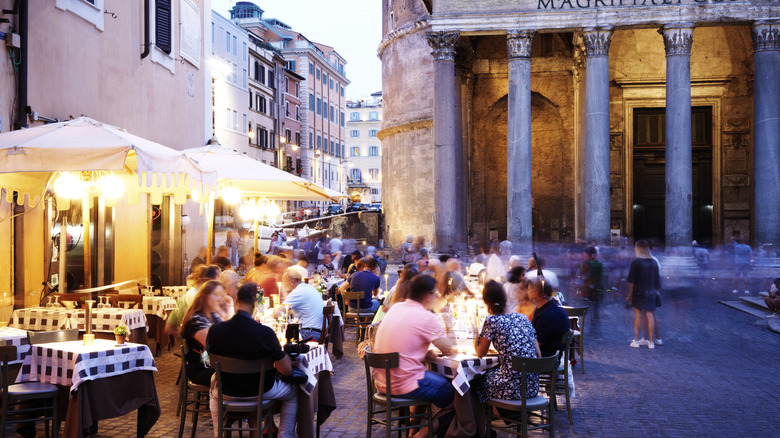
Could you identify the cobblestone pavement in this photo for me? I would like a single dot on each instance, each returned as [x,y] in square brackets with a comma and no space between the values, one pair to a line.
[714,375]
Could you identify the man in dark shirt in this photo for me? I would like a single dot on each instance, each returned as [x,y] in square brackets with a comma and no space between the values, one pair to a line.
[549,320]
[367,281]
[243,338]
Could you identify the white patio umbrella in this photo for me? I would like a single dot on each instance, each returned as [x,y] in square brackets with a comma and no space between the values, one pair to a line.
[252,178]
[96,158]
[335,194]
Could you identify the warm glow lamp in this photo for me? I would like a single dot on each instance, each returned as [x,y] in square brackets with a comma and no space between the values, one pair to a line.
[111,186]
[69,186]
[231,195]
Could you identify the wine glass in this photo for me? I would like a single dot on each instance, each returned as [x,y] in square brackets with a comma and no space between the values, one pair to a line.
[49,303]
[56,301]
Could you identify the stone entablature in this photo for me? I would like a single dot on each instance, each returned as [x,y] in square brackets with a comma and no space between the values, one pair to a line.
[499,16]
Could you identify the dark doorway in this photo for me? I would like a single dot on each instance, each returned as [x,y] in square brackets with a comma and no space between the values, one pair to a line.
[649,173]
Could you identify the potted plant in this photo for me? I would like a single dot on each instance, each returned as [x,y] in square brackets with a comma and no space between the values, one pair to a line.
[121,333]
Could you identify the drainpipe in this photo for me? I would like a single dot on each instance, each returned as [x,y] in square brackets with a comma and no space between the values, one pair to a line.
[17,245]
[147,43]
[21,108]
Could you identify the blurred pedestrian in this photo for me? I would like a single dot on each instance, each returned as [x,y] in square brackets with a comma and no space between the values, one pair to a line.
[644,281]
[742,255]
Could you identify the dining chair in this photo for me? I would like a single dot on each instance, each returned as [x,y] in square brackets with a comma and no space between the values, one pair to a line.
[526,407]
[388,403]
[327,319]
[227,410]
[562,378]
[362,319]
[191,394]
[52,336]
[577,319]
[16,398]
[126,301]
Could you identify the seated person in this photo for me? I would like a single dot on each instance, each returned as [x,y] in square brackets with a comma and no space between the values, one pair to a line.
[202,274]
[207,310]
[513,286]
[367,281]
[304,301]
[550,320]
[222,259]
[533,271]
[326,267]
[243,338]
[409,328]
[773,300]
[512,335]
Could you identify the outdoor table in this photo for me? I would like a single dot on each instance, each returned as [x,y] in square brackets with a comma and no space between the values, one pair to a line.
[317,393]
[41,318]
[103,381]
[103,320]
[17,337]
[157,310]
[337,333]
[174,291]
[461,368]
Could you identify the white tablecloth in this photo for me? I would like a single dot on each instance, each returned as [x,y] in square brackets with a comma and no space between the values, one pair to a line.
[71,363]
[462,368]
[58,318]
[158,306]
[17,337]
[174,291]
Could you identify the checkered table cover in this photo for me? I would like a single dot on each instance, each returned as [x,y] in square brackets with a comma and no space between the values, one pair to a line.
[462,369]
[41,318]
[105,320]
[17,337]
[72,363]
[174,291]
[158,306]
[312,363]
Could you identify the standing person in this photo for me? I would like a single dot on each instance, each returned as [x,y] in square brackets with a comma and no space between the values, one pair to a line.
[512,334]
[742,254]
[205,311]
[233,242]
[644,281]
[243,338]
[407,250]
[702,257]
[594,283]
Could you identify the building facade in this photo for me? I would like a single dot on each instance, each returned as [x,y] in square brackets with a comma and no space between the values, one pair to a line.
[321,92]
[230,78]
[648,120]
[263,110]
[364,150]
[145,71]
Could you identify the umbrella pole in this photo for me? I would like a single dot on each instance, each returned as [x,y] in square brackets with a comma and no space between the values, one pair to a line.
[86,238]
[63,276]
[210,241]
[256,227]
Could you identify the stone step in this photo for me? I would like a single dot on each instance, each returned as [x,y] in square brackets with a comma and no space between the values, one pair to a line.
[747,308]
[757,302]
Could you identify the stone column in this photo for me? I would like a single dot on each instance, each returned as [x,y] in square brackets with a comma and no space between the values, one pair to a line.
[597,205]
[679,187]
[766,133]
[519,177]
[447,172]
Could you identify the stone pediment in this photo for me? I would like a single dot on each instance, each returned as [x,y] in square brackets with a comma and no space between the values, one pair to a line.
[498,16]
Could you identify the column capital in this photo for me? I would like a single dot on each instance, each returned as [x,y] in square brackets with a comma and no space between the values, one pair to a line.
[766,35]
[518,43]
[597,41]
[443,45]
[678,38]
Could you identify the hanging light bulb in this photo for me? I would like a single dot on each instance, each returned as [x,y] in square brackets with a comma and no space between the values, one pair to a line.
[249,211]
[111,186]
[195,195]
[271,210]
[69,186]
[231,195]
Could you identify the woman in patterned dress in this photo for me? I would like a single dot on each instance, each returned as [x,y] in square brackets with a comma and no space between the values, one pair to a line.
[512,334]
[209,308]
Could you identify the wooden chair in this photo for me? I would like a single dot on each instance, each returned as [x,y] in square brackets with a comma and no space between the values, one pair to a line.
[52,336]
[232,409]
[577,318]
[16,398]
[327,319]
[191,394]
[362,319]
[527,406]
[562,379]
[126,301]
[387,402]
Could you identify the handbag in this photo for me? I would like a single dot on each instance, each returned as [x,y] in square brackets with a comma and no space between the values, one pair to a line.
[296,377]
[657,299]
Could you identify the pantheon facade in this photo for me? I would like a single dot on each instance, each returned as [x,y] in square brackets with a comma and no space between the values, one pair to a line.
[551,120]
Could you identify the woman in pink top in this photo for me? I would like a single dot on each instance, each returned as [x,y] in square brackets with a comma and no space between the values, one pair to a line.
[409,328]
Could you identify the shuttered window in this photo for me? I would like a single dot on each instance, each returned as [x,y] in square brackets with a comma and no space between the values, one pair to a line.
[162,25]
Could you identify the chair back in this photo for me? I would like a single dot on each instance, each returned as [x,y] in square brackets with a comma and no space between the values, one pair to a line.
[240,366]
[7,354]
[327,318]
[127,301]
[578,313]
[52,336]
[349,296]
[566,340]
[386,361]
[544,365]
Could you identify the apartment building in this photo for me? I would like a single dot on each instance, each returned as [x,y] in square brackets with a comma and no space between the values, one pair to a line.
[364,150]
[230,81]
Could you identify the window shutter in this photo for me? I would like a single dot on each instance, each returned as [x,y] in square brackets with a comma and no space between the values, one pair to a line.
[162,25]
